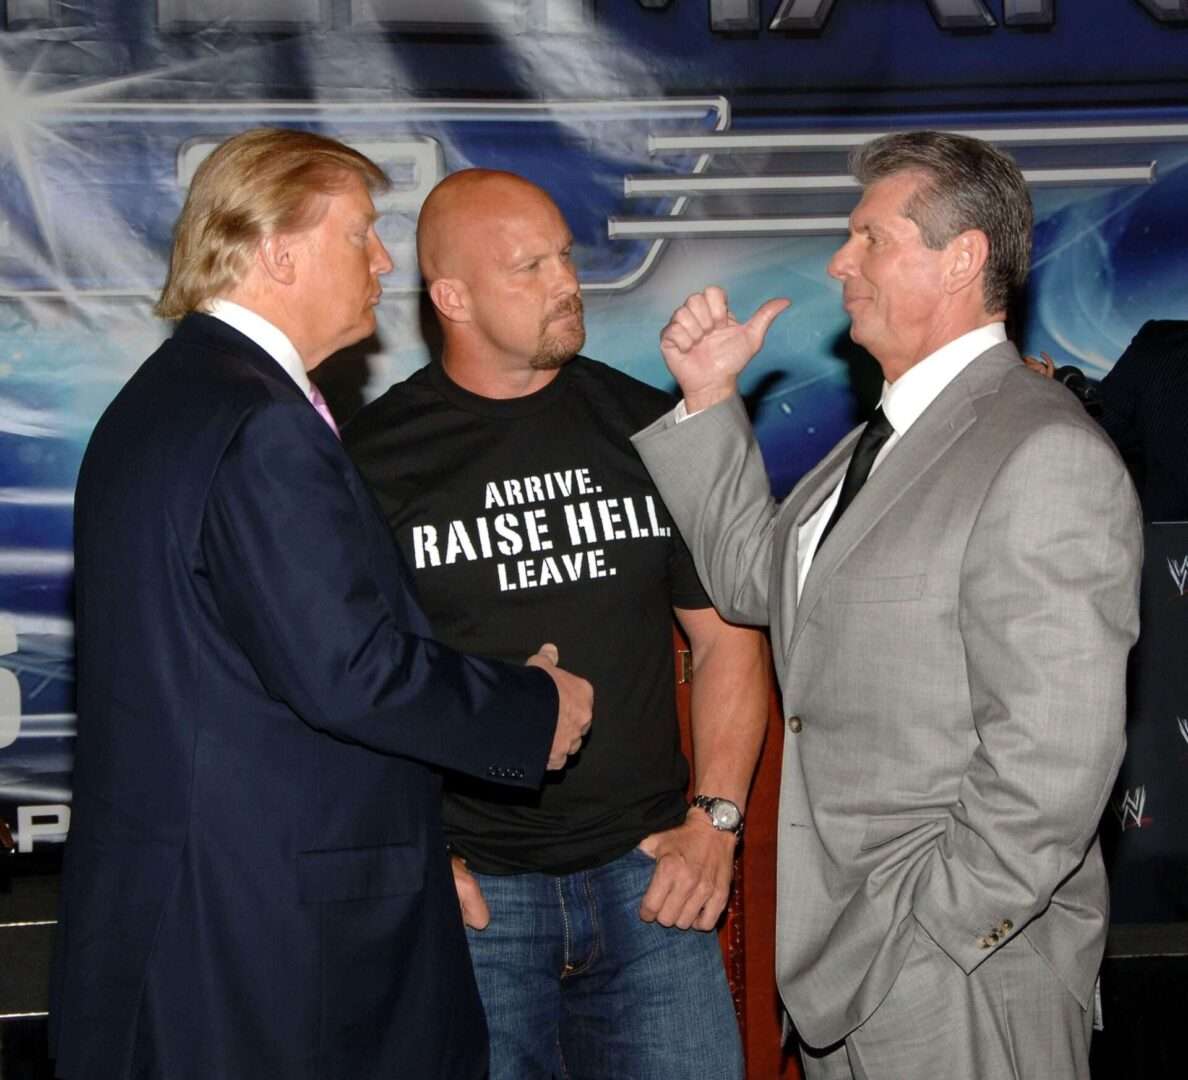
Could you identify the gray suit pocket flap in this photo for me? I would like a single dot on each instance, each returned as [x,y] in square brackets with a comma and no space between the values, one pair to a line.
[359,873]
[876,590]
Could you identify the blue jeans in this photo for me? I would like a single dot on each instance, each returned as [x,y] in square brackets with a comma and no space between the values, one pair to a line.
[576,985]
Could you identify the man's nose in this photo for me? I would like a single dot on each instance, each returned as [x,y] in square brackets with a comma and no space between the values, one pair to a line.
[566,282]
[381,261]
[841,265]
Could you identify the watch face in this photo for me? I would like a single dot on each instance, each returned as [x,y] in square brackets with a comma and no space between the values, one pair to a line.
[724,814]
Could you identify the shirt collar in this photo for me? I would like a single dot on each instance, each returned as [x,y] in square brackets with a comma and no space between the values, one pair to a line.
[906,399]
[269,337]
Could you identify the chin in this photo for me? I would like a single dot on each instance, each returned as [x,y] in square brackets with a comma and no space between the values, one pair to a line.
[551,362]
[557,352]
[578,340]
[365,329]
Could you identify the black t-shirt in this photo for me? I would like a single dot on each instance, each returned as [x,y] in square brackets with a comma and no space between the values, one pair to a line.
[529,520]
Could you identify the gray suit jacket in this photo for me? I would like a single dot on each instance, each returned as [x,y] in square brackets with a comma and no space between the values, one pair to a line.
[956,664]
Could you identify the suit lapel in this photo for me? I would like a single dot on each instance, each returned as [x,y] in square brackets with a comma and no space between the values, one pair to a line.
[925,444]
[800,505]
[806,498]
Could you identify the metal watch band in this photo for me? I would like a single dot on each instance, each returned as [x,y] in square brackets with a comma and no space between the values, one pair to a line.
[724,814]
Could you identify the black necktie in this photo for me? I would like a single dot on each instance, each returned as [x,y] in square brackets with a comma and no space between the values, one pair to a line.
[877,431]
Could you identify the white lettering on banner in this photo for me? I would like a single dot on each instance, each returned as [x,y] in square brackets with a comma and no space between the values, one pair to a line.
[1129,807]
[10,687]
[49,823]
[587,522]
[1179,573]
[812,16]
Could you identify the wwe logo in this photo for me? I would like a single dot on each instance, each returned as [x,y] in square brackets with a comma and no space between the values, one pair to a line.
[1179,573]
[1129,808]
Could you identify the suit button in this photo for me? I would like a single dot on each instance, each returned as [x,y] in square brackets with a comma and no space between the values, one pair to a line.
[795,724]
[1005,927]
[985,942]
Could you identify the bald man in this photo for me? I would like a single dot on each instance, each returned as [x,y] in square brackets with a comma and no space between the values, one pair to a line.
[508,478]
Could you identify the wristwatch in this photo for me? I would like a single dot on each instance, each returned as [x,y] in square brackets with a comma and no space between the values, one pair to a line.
[724,815]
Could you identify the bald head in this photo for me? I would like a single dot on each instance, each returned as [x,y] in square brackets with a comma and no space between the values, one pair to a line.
[494,251]
[461,212]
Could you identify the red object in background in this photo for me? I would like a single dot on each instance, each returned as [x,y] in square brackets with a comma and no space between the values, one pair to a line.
[747,933]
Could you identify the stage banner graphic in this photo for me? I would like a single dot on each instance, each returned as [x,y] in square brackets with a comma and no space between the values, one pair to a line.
[688,142]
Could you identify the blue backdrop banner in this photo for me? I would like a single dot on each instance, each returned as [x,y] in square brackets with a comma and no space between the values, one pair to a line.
[688,142]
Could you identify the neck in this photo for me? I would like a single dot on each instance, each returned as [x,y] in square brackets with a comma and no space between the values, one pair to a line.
[487,378]
[895,366]
[272,307]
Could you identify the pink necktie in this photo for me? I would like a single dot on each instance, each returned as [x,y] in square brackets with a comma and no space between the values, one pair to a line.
[319,403]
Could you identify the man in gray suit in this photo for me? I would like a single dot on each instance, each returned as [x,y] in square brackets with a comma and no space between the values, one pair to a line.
[951,638]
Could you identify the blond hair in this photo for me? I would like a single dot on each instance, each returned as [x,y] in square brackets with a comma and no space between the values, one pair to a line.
[258,183]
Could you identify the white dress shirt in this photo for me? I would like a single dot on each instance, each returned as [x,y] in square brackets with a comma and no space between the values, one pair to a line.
[271,339]
[903,403]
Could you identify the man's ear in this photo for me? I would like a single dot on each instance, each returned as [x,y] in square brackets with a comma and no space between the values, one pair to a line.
[451,298]
[968,252]
[277,257]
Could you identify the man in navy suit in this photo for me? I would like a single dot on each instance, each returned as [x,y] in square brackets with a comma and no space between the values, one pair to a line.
[256,881]
[1140,404]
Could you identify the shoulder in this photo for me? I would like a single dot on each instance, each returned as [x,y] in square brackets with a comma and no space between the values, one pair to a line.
[1173,330]
[638,401]
[402,401]
[1034,460]
[1049,432]
[278,449]
[1029,414]
[206,357]
[278,435]
[1157,340]
[195,392]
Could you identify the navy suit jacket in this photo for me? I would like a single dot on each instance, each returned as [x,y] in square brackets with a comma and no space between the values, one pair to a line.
[256,882]
[1145,411]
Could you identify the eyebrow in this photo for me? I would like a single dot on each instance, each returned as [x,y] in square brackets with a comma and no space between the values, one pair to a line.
[536,254]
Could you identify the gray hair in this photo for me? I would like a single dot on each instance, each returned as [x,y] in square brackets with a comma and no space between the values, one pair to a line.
[968,184]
